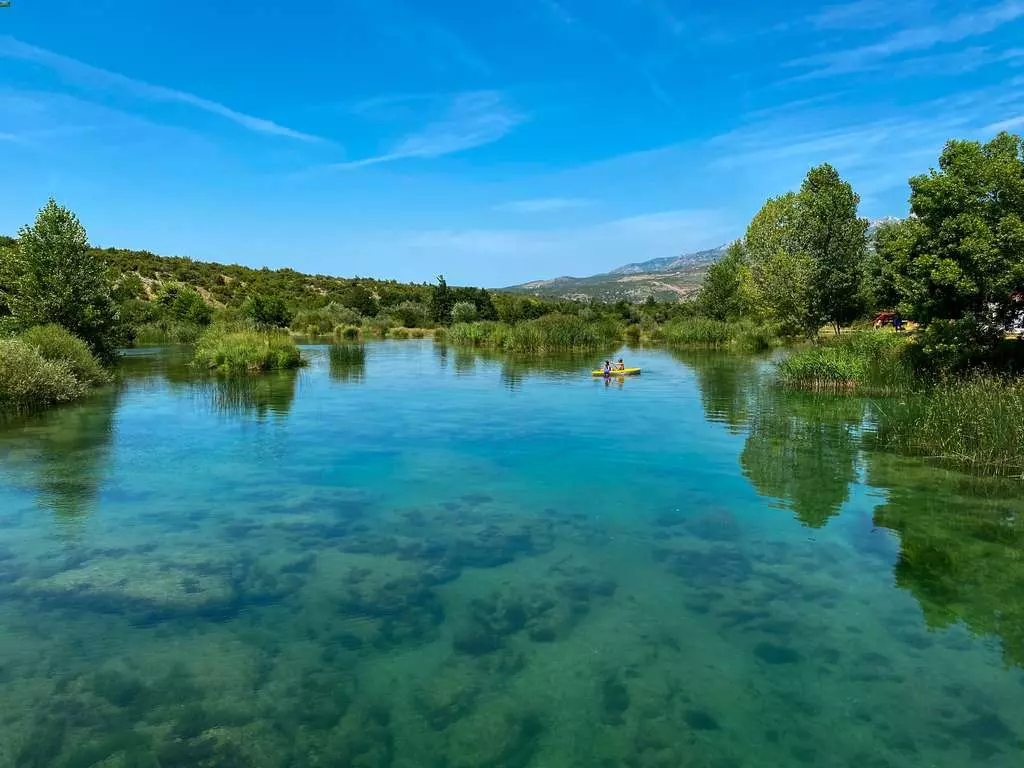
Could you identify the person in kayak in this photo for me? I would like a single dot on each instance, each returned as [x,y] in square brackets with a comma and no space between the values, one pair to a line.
[621,366]
[607,368]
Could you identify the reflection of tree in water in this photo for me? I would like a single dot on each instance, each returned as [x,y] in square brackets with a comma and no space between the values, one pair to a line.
[347,363]
[728,385]
[63,454]
[961,544]
[465,361]
[267,394]
[802,450]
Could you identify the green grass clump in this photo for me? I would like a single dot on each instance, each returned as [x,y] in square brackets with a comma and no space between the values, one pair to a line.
[28,380]
[707,333]
[347,354]
[347,332]
[868,361]
[551,333]
[398,333]
[699,332]
[243,351]
[56,344]
[974,423]
[823,368]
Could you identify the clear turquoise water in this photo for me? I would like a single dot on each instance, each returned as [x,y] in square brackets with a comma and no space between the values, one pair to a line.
[447,561]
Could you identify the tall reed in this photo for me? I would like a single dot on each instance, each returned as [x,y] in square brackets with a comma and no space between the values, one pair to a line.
[551,333]
[871,362]
[976,423]
[241,351]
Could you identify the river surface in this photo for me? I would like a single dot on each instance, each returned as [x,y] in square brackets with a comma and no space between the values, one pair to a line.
[434,559]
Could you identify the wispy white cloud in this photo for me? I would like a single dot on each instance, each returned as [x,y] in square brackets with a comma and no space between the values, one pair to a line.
[869,14]
[1012,124]
[471,120]
[414,28]
[544,204]
[558,11]
[958,28]
[94,78]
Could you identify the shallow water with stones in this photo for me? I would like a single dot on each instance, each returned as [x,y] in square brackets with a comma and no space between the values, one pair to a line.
[442,560]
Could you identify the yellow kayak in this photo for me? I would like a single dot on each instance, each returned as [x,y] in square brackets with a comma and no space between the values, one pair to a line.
[624,372]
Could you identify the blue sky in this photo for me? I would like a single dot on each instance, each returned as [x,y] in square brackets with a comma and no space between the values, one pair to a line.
[493,141]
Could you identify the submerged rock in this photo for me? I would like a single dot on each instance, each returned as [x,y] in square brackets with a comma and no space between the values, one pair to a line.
[494,738]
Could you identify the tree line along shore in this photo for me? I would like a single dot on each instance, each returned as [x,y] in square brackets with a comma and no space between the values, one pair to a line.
[808,272]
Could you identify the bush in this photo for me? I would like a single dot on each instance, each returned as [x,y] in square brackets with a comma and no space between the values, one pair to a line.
[28,380]
[411,314]
[184,304]
[755,338]
[318,322]
[379,325]
[58,345]
[398,333]
[349,333]
[167,332]
[268,311]
[234,351]
[952,346]
[464,312]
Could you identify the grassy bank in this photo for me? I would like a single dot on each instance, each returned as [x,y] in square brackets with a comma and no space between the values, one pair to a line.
[552,333]
[975,423]
[870,362]
[706,333]
[45,366]
[234,351]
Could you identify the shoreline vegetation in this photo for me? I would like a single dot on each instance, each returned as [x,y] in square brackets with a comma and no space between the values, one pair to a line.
[807,261]
[234,351]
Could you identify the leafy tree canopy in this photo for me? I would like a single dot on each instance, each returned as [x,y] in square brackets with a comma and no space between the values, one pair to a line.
[51,276]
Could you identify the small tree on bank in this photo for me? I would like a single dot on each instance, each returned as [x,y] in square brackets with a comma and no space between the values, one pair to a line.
[721,296]
[834,240]
[965,260]
[779,273]
[441,302]
[464,312]
[50,276]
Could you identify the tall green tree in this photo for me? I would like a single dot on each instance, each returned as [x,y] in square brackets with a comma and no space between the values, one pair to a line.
[778,279]
[965,261]
[893,241]
[360,299]
[51,276]
[722,296]
[268,311]
[833,239]
[441,302]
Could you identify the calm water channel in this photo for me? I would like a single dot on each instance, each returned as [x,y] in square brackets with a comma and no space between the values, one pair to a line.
[441,560]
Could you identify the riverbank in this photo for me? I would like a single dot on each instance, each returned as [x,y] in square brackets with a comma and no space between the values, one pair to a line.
[972,419]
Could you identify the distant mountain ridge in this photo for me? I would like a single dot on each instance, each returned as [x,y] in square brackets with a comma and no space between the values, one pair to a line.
[667,278]
[672,263]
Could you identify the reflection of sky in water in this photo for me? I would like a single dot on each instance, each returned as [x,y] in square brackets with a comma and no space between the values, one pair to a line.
[437,558]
